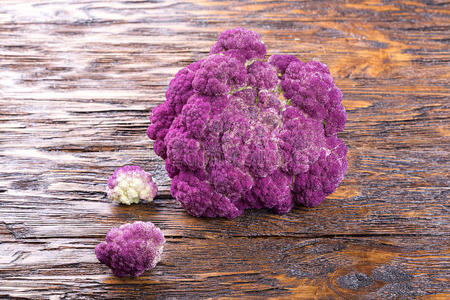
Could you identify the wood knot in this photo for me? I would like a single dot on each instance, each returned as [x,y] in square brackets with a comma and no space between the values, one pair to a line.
[354,281]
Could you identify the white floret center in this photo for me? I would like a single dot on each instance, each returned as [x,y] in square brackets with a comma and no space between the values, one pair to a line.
[131,188]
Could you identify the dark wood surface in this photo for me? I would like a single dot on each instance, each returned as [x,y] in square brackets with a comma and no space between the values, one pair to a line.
[78,80]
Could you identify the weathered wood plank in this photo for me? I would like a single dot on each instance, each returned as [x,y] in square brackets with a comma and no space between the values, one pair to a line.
[240,267]
[79,78]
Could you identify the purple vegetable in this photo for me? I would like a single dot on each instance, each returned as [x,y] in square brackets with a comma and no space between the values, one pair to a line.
[129,184]
[237,132]
[131,248]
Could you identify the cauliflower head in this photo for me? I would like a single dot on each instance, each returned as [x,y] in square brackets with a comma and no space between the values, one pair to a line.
[238,132]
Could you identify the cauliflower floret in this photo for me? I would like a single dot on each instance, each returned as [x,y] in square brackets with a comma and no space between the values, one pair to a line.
[129,184]
[131,248]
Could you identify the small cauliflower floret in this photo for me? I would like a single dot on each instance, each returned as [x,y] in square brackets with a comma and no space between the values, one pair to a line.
[238,132]
[131,249]
[129,184]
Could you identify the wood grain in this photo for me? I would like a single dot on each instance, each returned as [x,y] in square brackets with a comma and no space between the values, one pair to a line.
[78,80]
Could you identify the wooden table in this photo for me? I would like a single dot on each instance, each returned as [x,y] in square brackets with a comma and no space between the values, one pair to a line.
[78,80]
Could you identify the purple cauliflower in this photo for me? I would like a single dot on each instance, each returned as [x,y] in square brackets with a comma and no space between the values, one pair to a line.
[237,132]
[129,184]
[131,248]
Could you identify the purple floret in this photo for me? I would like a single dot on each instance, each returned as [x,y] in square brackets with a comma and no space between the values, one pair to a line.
[131,249]
[262,75]
[240,42]
[238,132]
[218,74]
[281,62]
[311,88]
[324,175]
